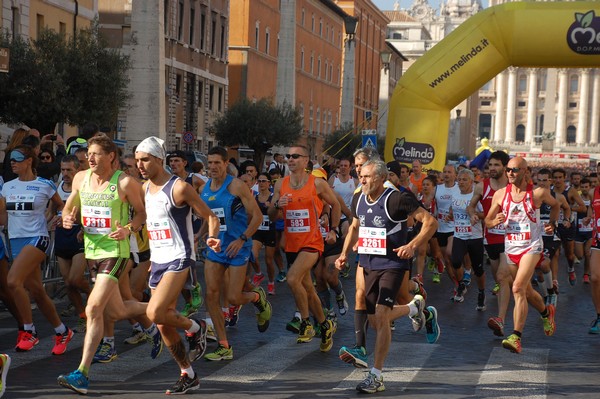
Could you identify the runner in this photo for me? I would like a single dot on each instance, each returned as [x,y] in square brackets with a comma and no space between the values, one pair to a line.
[444,193]
[103,194]
[265,235]
[169,204]
[595,261]
[301,197]
[517,207]
[379,225]
[584,231]
[240,216]
[24,201]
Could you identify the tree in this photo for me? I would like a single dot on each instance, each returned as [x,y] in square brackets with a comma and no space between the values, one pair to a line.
[343,142]
[55,79]
[258,125]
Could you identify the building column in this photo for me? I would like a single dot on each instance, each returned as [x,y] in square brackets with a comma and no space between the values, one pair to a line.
[531,106]
[511,103]
[286,60]
[500,103]
[561,119]
[348,82]
[595,125]
[584,93]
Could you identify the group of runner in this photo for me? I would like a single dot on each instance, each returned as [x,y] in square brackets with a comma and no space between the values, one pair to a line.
[117,223]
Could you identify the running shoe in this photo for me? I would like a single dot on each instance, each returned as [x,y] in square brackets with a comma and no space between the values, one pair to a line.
[553,298]
[264,310]
[136,337]
[271,288]
[595,327]
[157,344]
[61,341]
[342,303]
[586,278]
[281,277]
[211,335]
[418,320]
[572,277]
[105,353]
[392,325]
[436,278]
[496,325]
[577,260]
[197,300]
[81,326]
[430,264]
[467,278]
[328,328]
[184,384]
[4,366]
[512,343]
[496,289]
[75,381]
[481,301]
[294,325]
[432,328]
[549,324]
[459,295]
[27,342]
[19,335]
[306,333]
[196,341]
[188,309]
[345,272]
[221,353]
[420,290]
[234,315]
[68,311]
[356,356]
[257,279]
[371,384]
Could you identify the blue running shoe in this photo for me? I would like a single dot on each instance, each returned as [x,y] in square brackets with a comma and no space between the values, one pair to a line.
[595,327]
[356,356]
[432,328]
[467,277]
[157,344]
[75,381]
[104,354]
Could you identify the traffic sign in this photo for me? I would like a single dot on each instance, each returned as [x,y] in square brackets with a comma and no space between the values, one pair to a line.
[369,138]
[188,137]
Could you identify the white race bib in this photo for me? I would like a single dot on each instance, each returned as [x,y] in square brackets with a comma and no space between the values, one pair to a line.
[518,234]
[372,241]
[96,219]
[220,213]
[159,232]
[297,221]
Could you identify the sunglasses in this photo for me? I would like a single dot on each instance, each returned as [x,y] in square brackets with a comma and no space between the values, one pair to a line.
[513,170]
[294,156]
[45,157]
[17,156]
[262,181]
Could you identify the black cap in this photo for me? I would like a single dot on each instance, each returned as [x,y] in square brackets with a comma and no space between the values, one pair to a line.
[394,167]
[176,154]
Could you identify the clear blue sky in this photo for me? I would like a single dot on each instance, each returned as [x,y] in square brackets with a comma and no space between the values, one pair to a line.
[389,4]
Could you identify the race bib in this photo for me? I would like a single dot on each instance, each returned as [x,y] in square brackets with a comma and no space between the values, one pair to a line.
[442,215]
[159,232]
[499,229]
[372,241]
[297,221]
[518,234]
[463,229]
[584,228]
[266,223]
[21,203]
[96,219]
[220,213]
[324,230]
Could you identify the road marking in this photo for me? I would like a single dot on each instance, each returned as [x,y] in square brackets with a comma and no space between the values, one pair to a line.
[259,366]
[402,365]
[508,375]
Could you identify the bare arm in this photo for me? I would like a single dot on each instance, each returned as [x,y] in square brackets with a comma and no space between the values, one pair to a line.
[477,196]
[495,215]
[327,194]
[73,204]
[575,198]
[428,229]
[349,242]
[273,212]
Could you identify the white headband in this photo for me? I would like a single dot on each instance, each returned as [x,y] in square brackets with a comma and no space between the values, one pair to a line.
[153,146]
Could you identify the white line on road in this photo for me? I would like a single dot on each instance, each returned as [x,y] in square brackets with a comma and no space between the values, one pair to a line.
[508,375]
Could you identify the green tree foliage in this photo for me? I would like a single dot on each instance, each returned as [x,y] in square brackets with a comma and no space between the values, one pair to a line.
[57,79]
[343,142]
[258,125]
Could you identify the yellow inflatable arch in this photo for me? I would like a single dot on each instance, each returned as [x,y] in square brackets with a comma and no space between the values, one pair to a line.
[531,34]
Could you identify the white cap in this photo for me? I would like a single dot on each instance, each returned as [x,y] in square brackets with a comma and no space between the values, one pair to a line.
[153,146]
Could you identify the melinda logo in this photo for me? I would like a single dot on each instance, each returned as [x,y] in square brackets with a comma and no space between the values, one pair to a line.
[583,35]
[405,151]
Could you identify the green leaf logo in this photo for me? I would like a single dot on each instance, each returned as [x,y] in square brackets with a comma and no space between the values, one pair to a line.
[586,19]
[400,142]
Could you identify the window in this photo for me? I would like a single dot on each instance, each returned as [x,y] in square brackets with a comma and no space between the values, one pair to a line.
[542,81]
[223,43]
[62,28]
[522,83]
[200,94]
[571,135]
[396,35]
[166,17]
[319,67]
[267,40]
[312,23]
[310,119]
[220,103]
[177,88]
[573,84]
[486,103]
[521,104]
[39,24]
[192,22]
[330,72]
[256,35]
[520,134]
[213,34]
[318,120]
[211,97]
[202,28]
[302,18]
[180,22]
[312,62]
[301,111]
[16,22]
[320,27]
[326,70]
[572,105]
[302,59]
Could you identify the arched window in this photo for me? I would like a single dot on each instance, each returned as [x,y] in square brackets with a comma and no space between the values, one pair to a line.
[520,134]
[573,84]
[571,135]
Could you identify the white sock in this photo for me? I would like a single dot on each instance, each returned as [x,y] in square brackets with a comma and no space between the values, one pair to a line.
[194,328]
[376,372]
[110,341]
[29,327]
[189,371]
[412,309]
[61,329]
[138,327]
[152,330]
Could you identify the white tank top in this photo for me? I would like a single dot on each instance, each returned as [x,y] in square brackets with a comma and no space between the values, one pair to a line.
[523,225]
[443,200]
[345,190]
[463,228]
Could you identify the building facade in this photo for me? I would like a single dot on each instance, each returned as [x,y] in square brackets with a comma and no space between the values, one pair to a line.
[178,76]
[290,51]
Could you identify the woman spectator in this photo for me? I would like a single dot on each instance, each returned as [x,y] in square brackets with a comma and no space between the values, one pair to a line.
[49,167]
[24,201]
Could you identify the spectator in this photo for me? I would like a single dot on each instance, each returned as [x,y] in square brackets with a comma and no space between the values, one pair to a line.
[198,170]
[48,167]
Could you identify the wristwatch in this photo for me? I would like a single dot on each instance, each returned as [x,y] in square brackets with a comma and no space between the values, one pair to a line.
[243,237]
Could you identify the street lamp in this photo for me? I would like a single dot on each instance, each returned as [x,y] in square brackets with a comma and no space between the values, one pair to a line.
[350,23]
[386,57]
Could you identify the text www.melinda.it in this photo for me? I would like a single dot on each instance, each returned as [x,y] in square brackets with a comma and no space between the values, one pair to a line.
[461,62]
